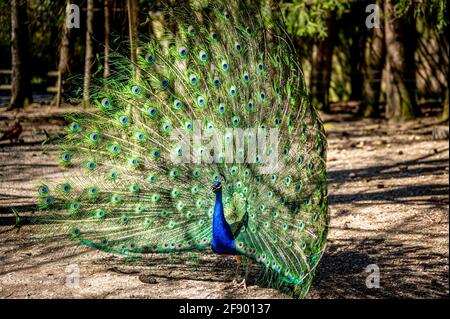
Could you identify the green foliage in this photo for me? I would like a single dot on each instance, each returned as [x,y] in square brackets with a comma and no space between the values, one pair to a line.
[44,17]
[306,18]
[434,12]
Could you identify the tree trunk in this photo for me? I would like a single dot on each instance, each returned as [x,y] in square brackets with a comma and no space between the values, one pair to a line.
[373,70]
[322,54]
[21,94]
[400,97]
[445,109]
[89,53]
[133,22]
[107,26]
[357,61]
[65,48]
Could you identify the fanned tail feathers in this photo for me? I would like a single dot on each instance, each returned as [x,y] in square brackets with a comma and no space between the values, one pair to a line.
[129,186]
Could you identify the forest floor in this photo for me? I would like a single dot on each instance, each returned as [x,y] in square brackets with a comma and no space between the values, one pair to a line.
[388,188]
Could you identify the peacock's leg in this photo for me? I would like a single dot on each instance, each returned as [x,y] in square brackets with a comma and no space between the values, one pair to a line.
[243,283]
[247,270]
[238,269]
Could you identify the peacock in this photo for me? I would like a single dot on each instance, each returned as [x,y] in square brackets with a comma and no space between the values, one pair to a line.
[206,141]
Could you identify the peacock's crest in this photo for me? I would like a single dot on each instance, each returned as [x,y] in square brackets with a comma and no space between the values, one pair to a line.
[224,100]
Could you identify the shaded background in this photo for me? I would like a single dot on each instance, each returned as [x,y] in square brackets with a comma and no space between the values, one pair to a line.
[397,71]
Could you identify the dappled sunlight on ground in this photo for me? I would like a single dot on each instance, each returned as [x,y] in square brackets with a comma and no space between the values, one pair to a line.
[388,190]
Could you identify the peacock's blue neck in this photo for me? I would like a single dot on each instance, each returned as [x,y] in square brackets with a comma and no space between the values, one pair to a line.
[222,237]
[219,201]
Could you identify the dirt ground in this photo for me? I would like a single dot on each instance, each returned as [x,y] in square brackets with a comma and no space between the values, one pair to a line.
[388,188]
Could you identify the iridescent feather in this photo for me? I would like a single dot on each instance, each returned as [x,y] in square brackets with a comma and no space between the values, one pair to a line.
[123,192]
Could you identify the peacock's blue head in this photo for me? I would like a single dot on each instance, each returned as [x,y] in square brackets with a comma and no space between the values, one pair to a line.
[216,187]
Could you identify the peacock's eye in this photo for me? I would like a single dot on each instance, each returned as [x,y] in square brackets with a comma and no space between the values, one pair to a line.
[191,30]
[237,46]
[214,35]
[227,15]
[135,89]
[183,52]
[43,189]
[193,79]
[152,111]
[66,157]
[203,56]
[149,57]
[216,82]
[201,100]
[249,30]
[74,126]
[105,102]
[165,83]
[224,65]
[262,95]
